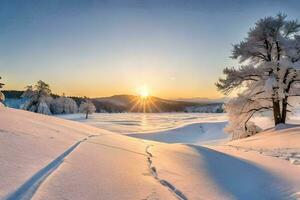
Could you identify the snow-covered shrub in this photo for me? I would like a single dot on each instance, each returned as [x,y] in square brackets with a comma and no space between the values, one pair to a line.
[38,98]
[269,73]
[87,107]
[63,105]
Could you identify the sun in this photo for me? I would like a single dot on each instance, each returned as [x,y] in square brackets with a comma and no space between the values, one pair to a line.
[144,92]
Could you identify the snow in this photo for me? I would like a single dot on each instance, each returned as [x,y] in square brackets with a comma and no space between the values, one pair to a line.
[105,167]
[281,143]
[198,133]
[44,157]
[130,123]
[28,142]
[204,173]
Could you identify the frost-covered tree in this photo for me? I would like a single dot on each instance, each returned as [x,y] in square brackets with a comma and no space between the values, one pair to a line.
[63,105]
[87,107]
[2,97]
[268,76]
[39,98]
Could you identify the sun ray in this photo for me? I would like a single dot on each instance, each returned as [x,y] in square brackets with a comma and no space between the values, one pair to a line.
[152,103]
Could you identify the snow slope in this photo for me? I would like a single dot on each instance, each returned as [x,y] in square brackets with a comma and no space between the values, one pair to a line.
[282,143]
[219,173]
[43,157]
[49,158]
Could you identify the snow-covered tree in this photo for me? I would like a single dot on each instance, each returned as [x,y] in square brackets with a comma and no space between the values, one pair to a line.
[87,107]
[63,105]
[2,97]
[39,98]
[269,73]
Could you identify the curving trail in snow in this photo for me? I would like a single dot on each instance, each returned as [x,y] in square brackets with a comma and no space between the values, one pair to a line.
[27,189]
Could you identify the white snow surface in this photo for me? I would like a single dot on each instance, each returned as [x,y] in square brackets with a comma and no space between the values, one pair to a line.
[43,157]
[197,133]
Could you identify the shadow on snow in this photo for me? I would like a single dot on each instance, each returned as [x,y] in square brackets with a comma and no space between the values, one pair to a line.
[242,179]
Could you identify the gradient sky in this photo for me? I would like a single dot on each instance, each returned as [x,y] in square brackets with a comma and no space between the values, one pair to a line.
[176,48]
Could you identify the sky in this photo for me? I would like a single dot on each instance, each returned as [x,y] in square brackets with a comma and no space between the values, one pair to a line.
[174,48]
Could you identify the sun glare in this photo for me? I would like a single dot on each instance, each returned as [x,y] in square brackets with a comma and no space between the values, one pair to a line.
[144,92]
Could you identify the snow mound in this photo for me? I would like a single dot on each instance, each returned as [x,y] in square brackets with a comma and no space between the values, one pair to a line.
[197,133]
[282,142]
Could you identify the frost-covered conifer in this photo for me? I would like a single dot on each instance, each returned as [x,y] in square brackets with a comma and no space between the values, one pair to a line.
[39,98]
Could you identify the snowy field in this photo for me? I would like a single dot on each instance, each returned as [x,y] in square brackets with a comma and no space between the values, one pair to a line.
[44,157]
[191,128]
[128,123]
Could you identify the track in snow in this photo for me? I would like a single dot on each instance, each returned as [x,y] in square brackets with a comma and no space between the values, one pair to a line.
[28,189]
[165,183]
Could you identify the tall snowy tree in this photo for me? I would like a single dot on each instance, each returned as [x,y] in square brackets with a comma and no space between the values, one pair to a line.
[39,98]
[268,76]
[87,107]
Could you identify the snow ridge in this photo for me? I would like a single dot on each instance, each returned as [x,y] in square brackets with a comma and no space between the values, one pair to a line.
[28,189]
[165,183]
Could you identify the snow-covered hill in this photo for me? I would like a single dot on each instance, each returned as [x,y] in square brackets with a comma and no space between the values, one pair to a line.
[132,103]
[44,157]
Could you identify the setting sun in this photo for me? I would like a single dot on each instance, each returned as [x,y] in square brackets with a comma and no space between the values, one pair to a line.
[144,92]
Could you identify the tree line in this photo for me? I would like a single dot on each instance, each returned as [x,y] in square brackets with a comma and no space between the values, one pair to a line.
[39,99]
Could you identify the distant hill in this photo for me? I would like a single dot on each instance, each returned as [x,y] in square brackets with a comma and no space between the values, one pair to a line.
[131,103]
[204,100]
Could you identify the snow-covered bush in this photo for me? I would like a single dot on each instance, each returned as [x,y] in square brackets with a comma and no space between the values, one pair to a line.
[38,98]
[269,74]
[63,105]
[87,107]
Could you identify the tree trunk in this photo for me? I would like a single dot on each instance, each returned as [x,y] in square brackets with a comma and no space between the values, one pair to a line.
[87,114]
[276,112]
[284,110]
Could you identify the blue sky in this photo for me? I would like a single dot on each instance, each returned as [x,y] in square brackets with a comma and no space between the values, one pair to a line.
[175,48]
